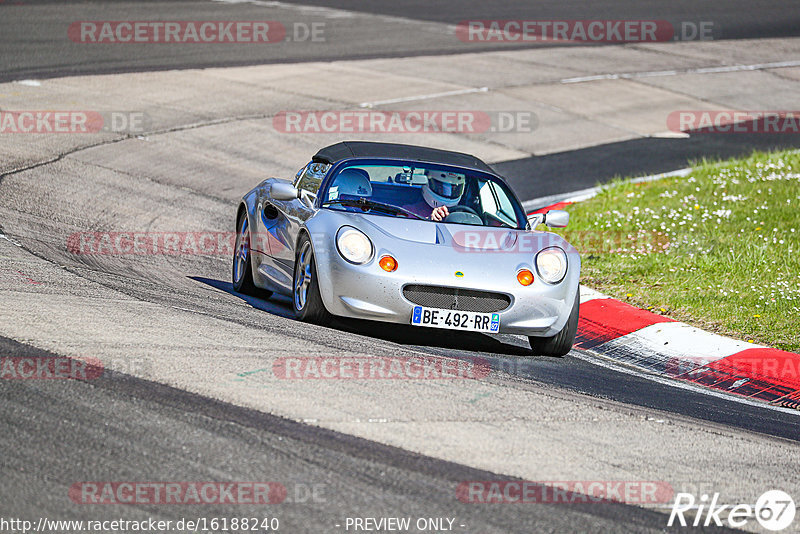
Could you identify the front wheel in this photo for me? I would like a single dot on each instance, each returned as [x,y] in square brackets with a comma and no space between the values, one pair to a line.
[242,275]
[308,305]
[561,343]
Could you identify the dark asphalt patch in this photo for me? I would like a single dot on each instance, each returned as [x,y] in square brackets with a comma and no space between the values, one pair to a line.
[564,172]
[34,36]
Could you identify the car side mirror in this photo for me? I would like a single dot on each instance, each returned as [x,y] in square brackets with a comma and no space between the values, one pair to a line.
[535,220]
[283,191]
[553,219]
[556,218]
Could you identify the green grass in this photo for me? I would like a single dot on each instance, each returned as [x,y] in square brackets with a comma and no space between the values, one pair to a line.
[719,248]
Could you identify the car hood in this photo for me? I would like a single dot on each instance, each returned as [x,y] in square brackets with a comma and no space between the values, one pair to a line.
[400,228]
[458,236]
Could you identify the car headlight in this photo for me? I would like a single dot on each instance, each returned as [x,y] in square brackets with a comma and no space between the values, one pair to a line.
[552,264]
[353,245]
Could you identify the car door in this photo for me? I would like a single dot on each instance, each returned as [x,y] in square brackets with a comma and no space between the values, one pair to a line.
[281,221]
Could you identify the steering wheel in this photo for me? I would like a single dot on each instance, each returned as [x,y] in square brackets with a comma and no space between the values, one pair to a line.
[467,209]
[464,215]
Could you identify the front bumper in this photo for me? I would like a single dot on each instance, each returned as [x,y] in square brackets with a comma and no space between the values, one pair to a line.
[368,292]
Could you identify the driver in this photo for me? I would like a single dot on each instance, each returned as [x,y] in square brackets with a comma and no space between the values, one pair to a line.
[442,191]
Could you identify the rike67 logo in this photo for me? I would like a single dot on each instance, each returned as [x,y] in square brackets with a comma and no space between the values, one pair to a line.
[774,510]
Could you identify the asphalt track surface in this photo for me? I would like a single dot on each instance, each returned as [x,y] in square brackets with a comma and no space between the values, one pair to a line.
[733,18]
[124,427]
[34,42]
[153,432]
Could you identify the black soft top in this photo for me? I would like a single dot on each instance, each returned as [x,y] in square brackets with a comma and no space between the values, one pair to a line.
[367,149]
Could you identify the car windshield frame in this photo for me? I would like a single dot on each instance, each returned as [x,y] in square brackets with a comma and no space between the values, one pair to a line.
[519,212]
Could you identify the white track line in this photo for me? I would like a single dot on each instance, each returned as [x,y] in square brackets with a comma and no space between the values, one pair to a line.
[338,13]
[701,70]
[424,97]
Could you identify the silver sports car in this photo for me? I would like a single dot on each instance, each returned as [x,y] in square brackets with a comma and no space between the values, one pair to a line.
[411,235]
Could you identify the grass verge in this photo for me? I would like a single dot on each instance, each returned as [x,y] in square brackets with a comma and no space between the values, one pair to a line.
[718,248]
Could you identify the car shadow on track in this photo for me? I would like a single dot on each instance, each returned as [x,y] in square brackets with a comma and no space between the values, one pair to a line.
[431,337]
[395,333]
[276,305]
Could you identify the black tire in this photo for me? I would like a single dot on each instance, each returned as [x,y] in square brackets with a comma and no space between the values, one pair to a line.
[306,300]
[561,343]
[242,271]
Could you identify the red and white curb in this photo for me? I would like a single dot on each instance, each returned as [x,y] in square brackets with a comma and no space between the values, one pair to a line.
[659,345]
[663,346]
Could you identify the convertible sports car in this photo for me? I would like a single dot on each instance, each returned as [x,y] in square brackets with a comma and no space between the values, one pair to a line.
[412,235]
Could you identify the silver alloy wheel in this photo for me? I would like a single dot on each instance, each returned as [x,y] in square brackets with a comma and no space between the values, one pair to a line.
[302,282]
[242,250]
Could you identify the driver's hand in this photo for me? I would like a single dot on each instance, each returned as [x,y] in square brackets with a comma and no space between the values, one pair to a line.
[439,213]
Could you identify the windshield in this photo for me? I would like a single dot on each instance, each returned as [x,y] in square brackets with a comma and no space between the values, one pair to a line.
[414,190]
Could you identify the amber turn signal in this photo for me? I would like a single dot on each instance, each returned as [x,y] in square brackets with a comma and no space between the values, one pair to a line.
[389,264]
[525,277]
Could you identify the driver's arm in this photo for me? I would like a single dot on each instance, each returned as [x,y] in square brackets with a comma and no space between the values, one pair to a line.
[439,213]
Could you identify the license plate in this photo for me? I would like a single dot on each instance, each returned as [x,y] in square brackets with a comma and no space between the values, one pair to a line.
[455,320]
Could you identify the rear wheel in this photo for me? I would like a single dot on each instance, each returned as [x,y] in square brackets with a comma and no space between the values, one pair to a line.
[308,305]
[242,275]
[561,343]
